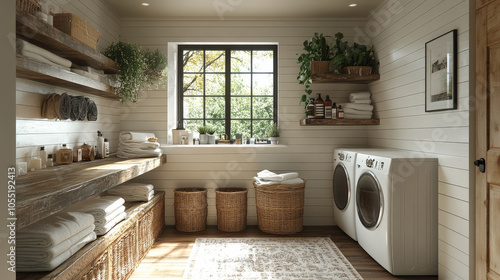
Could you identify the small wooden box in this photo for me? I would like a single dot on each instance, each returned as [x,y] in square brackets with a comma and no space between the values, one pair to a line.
[77,28]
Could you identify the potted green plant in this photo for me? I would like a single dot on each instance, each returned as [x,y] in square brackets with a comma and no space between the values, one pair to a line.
[314,60]
[210,134]
[202,130]
[273,132]
[355,59]
[155,64]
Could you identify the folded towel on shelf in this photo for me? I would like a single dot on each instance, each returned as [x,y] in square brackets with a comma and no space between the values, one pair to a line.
[99,207]
[137,137]
[30,50]
[42,255]
[138,153]
[352,116]
[135,145]
[91,110]
[108,218]
[359,95]
[293,181]
[101,230]
[271,176]
[40,58]
[356,112]
[132,192]
[50,231]
[362,101]
[33,266]
[89,75]
[139,196]
[361,107]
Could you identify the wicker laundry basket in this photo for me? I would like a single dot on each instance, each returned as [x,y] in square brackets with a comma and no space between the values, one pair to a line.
[77,28]
[231,204]
[280,208]
[190,207]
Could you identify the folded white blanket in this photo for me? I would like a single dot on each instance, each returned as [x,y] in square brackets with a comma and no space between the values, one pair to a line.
[138,137]
[53,230]
[40,58]
[45,255]
[359,95]
[99,207]
[23,46]
[284,182]
[102,221]
[131,188]
[356,112]
[362,101]
[140,196]
[360,117]
[101,230]
[361,107]
[32,266]
[134,145]
[138,153]
[271,176]
[92,76]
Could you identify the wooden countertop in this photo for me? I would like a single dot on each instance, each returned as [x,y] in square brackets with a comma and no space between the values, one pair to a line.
[42,193]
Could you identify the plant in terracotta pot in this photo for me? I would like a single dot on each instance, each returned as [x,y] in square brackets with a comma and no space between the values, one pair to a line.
[353,59]
[273,132]
[314,60]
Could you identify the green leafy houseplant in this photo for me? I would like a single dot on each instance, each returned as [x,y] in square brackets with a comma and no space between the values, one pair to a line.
[273,130]
[210,130]
[202,129]
[315,49]
[352,55]
[156,62]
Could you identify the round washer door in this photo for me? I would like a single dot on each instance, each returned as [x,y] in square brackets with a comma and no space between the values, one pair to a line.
[369,200]
[341,187]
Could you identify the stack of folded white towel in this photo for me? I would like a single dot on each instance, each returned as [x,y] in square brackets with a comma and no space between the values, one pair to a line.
[42,55]
[47,243]
[359,106]
[132,192]
[106,210]
[138,144]
[266,177]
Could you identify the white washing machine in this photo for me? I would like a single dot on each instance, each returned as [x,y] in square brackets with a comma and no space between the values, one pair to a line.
[344,166]
[397,211]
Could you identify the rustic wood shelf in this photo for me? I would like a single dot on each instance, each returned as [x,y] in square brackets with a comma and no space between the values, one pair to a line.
[339,122]
[44,192]
[344,78]
[34,70]
[45,36]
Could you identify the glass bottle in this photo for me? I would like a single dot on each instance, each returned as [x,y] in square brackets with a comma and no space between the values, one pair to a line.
[319,108]
[334,110]
[64,155]
[340,112]
[310,109]
[328,107]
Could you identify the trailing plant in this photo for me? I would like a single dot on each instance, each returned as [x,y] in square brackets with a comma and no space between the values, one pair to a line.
[156,62]
[202,129]
[352,55]
[273,130]
[315,49]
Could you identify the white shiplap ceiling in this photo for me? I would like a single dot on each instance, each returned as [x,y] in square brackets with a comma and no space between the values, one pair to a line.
[233,9]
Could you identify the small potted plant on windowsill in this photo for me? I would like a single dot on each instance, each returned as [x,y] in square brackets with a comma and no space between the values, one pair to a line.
[211,135]
[202,130]
[273,132]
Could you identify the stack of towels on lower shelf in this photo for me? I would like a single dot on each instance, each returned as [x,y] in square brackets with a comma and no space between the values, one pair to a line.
[266,177]
[41,55]
[137,145]
[106,210]
[359,106]
[133,192]
[47,243]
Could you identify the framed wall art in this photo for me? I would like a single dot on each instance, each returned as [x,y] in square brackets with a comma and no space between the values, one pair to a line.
[441,73]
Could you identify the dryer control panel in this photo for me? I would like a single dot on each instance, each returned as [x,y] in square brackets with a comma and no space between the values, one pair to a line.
[372,162]
[346,157]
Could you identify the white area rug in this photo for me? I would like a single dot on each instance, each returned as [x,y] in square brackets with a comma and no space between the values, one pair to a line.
[311,258]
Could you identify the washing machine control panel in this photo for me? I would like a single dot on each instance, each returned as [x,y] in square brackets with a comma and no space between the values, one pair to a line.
[373,163]
[347,157]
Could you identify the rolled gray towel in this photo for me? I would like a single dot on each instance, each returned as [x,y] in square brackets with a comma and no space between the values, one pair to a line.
[64,106]
[91,110]
[77,107]
[83,107]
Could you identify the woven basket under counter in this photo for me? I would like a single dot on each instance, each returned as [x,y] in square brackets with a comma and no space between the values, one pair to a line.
[280,208]
[190,207]
[231,204]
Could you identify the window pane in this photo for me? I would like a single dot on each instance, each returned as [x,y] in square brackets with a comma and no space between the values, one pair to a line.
[219,126]
[240,126]
[262,107]
[240,61]
[240,107]
[216,107]
[193,84]
[260,127]
[262,84]
[215,61]
[193,107]
[193,61]
[262,61]
[240,84]
[215,84]
[192,125]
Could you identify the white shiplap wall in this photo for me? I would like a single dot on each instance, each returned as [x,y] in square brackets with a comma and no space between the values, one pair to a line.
[308,150]
[404,124]
[32,130]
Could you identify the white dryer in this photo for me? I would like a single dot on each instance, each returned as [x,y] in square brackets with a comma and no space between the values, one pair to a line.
[344,166]
[396,209]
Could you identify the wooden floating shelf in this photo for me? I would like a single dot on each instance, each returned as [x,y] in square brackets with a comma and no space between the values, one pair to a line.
[339,122]
[52,39]
[34,70]
[344,78]
[44,192]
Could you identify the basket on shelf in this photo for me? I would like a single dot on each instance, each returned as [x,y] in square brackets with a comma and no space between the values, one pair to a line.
[77,28]
[30,7]
[190,207]
[231,204]
[280,208]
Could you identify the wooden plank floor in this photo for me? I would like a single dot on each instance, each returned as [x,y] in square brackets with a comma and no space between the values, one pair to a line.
[170,253]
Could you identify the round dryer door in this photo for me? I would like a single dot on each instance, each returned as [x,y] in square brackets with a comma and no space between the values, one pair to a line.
[369,200]
[341,187]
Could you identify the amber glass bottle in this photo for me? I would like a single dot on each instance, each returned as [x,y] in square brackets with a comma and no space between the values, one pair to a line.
[319,106]
[328,108]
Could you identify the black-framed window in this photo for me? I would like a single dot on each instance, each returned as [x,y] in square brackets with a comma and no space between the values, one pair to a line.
[232,88]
